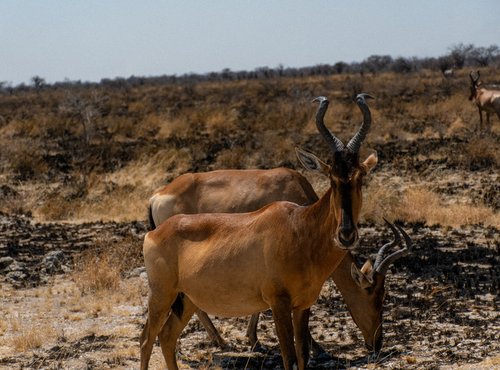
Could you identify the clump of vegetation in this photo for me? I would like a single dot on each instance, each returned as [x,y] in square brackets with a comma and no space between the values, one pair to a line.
[482,152]
[422,205]
[26,336]
[100,268]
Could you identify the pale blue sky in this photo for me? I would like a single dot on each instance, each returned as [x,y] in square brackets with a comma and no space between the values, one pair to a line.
[92,39]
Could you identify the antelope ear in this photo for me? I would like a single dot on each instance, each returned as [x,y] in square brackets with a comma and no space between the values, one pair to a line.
[367,267]
[311,162]
[370,162]
[360,278]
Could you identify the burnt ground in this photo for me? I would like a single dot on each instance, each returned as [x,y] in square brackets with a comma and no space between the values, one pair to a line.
[441,306]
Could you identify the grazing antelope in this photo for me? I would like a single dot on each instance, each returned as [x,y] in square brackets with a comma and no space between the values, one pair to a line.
[208,261]
[486,100]
[228,191]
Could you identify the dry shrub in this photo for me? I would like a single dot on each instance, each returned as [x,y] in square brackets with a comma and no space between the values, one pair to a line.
[24,159]
[454,107]
[478,153]
[96,273]
[123,194]
[120,196]
[61,202]
[222,120]
[277,150]
[56,208]
[3,325]
[100,268]
[482,152]
[121,127]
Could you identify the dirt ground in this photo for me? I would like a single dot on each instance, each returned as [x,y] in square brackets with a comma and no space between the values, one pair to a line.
[442,303]
[441,308]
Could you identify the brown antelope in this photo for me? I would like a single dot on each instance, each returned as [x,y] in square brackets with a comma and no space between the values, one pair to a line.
[208,261]
[486,100]
[229,191]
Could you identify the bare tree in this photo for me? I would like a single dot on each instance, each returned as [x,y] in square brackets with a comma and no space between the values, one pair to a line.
[459,54]
[484,56]
[84,110]
[38,82]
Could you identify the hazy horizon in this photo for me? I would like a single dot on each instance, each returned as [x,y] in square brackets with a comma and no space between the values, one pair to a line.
[92,40]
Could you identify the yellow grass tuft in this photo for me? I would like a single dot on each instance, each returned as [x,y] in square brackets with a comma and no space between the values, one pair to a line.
[27,335]
[422,205]
[97,273]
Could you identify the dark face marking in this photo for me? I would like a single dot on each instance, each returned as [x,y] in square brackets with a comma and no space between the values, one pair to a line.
[345,164]
[473,89]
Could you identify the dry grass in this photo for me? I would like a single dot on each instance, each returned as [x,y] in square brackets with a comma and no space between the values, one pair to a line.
[27,333]
[379,200]
[58,314]
[30,338]
[96,273]
[144,136]
[421,205]
[100,268]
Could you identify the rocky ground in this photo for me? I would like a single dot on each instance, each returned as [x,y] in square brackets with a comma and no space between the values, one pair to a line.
[441,307]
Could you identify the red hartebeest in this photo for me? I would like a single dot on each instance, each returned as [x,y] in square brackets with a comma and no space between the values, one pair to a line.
[208,261]
[229,191]
[486,100]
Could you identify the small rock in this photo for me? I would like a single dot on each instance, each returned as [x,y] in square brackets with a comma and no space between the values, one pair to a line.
[16,276]
[136,272]
[53,262]
[5,263]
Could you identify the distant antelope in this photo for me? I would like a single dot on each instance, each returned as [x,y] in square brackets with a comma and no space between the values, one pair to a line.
[209,261]
[486,100]
[448,73]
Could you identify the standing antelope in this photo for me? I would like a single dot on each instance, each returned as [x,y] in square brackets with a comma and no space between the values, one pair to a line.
[208,261]
[229,191]
[486,100]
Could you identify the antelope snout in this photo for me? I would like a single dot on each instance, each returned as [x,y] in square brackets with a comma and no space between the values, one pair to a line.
[348,237]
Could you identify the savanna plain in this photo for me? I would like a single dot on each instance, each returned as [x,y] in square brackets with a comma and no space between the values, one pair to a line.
[78,163]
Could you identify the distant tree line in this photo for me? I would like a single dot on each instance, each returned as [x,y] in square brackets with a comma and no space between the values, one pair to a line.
[459,56]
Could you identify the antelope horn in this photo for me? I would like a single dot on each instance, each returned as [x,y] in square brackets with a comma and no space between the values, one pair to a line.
[474,80]
[334,143]
[384,265]
[396,241]
[355,143]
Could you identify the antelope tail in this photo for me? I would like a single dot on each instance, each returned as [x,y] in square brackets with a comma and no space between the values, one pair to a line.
[151,225]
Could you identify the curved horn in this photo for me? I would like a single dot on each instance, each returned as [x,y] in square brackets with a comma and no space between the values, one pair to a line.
[474,80]
[355,143]
[396,241]
[333,142]
[384,265]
